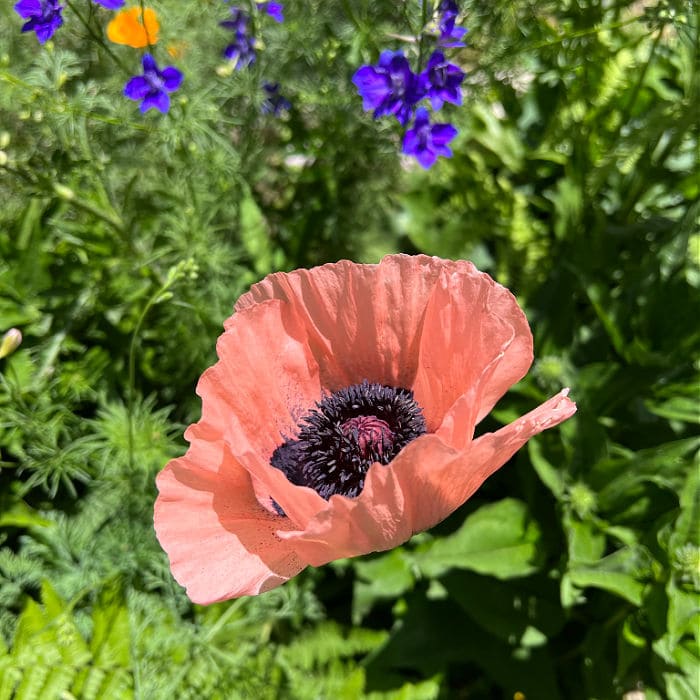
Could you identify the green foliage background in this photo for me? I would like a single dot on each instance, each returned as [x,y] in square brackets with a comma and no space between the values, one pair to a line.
[125,239]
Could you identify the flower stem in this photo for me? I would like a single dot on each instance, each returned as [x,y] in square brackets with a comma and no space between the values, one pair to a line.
[97,37]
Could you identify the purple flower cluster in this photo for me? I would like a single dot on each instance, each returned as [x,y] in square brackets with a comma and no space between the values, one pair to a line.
[392,88]
[274,103]
[44,17]
[242,49]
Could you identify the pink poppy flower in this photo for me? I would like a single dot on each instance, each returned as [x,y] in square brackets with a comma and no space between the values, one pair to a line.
[339,419]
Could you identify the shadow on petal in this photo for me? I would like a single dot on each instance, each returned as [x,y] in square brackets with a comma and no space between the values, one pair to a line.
[222,543]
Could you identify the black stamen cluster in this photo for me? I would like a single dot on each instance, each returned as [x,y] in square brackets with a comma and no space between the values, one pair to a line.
[329,458]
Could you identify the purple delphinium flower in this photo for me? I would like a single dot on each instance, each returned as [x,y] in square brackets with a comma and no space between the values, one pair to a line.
[154,85]
[450,34]
[391,87]
[448,8]
[441,81]
[274,9]
[238,22]
[44,17]
[242,49]
[426,142]
[274,103]
[111,4]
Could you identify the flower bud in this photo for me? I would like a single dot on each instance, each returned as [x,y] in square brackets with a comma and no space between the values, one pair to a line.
[10,342]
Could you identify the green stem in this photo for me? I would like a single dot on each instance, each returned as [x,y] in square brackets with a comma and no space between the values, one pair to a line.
[97,37]
[131,390]
[583,32]
[640,81]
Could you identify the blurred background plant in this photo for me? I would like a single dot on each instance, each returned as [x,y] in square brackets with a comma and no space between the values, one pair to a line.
[125,238]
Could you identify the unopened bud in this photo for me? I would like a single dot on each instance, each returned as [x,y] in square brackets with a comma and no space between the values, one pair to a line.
[10,342]
[63,192]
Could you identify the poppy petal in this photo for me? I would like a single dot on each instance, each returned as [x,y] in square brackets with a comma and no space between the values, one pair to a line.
[363,321]
[254,411]
[424,484]
[221,542]
[470,320]
[391,508]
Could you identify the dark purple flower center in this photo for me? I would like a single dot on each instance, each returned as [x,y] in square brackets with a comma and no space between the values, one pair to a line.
[345,434]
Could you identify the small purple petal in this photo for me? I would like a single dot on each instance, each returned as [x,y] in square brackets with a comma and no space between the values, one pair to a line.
[28,8]
[172,78]
[149,63]
[443,133]
[137,88]
[274,9]
[111,4]
[156,100]
[372,86]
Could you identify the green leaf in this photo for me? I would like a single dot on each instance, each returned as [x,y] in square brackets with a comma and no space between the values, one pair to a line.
[680,408]
[523,613]
[110,637]
[254,233]
[687,526]
[386,576]
[622,573]
[551,477]
[498,539]
[586,542]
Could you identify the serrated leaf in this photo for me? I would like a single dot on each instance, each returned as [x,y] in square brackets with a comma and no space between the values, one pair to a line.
[498,539]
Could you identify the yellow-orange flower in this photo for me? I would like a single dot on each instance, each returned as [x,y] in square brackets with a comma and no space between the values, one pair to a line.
[134,28]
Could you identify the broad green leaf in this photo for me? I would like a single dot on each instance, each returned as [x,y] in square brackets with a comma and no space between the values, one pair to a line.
[586,542]
[687,526]
[498,539]
[522,613]
[387,576]
[665,465]
[623,573]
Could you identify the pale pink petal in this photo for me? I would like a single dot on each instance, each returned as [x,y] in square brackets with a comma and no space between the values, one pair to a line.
[472,326]
[252,399]
[447,488]
[424,484]
[363,321]
[221,542]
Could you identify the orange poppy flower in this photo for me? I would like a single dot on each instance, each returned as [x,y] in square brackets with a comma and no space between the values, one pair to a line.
[133,28]
[339,419]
